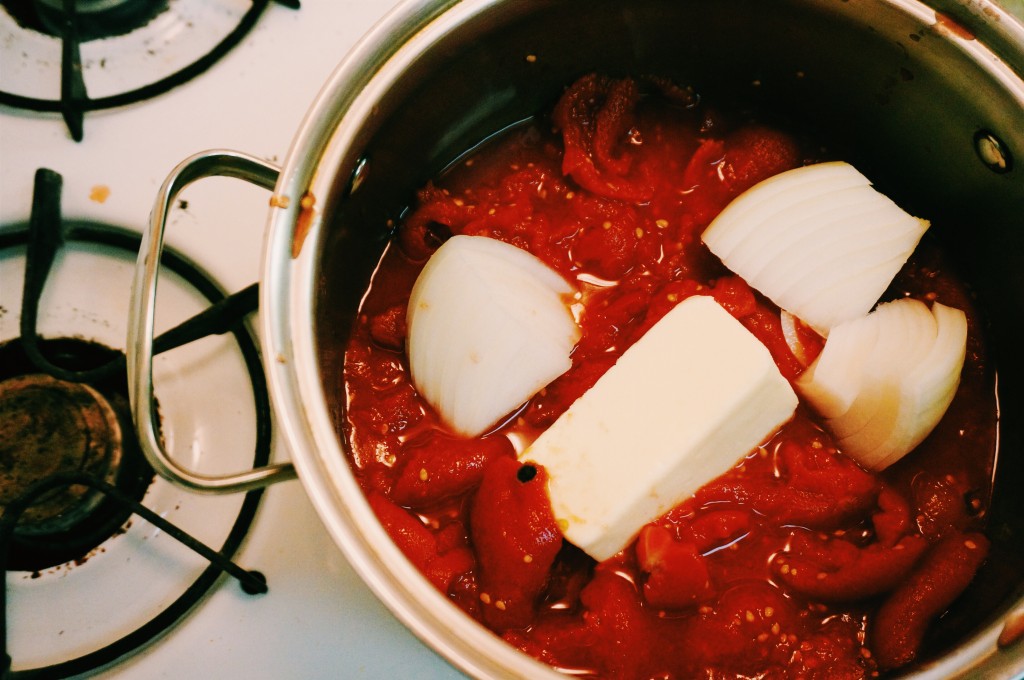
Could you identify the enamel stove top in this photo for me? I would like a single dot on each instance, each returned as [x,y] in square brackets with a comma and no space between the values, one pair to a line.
[317,620]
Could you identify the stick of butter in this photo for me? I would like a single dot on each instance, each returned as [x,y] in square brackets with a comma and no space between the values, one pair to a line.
[680,407]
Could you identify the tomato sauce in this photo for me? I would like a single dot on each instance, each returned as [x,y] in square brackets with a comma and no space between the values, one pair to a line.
[796,563]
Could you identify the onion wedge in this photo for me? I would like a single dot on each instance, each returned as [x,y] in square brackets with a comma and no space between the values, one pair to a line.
[489,325]
[884,381]
[797,336]
[818,241]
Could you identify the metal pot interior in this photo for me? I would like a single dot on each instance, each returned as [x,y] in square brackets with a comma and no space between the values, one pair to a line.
[904,91]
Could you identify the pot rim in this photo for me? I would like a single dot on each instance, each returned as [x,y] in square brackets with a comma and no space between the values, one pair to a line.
[288,291]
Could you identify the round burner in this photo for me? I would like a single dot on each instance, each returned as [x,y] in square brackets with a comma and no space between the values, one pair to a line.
[70,72]
[95,18]
[50,426]
[139,580]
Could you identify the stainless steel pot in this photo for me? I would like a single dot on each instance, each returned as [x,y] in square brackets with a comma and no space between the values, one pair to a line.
[927,98]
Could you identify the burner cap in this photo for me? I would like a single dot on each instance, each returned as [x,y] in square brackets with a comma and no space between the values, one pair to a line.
[48,426]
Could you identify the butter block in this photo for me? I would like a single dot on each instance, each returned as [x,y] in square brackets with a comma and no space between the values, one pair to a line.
[681,406]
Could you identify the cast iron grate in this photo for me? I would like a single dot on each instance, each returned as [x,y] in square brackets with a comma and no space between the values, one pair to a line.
[43,237]
[74,100]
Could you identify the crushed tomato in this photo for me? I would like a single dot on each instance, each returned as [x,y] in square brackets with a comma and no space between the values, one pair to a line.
[796,563]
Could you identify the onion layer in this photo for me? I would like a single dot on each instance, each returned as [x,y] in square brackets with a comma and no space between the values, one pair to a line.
[884,381]
[818,241]
[488,327]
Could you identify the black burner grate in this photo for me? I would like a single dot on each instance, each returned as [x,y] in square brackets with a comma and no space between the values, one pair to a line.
[46,232]
[74,100]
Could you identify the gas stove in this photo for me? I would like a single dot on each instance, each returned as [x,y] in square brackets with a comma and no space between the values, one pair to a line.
[100,153]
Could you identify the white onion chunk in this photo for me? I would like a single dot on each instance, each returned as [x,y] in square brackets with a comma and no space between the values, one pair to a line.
[883,381]
[489,325]
[818,241]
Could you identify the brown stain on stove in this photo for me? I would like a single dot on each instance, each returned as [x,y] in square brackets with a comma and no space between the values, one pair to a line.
[304,222]
[99,193]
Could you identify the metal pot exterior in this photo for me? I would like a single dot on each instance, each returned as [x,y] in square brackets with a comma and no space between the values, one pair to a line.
[929,97]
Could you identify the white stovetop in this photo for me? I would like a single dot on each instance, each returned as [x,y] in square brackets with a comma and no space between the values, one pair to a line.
[318,620]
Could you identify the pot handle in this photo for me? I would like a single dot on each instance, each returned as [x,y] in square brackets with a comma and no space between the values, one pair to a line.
[142,316]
